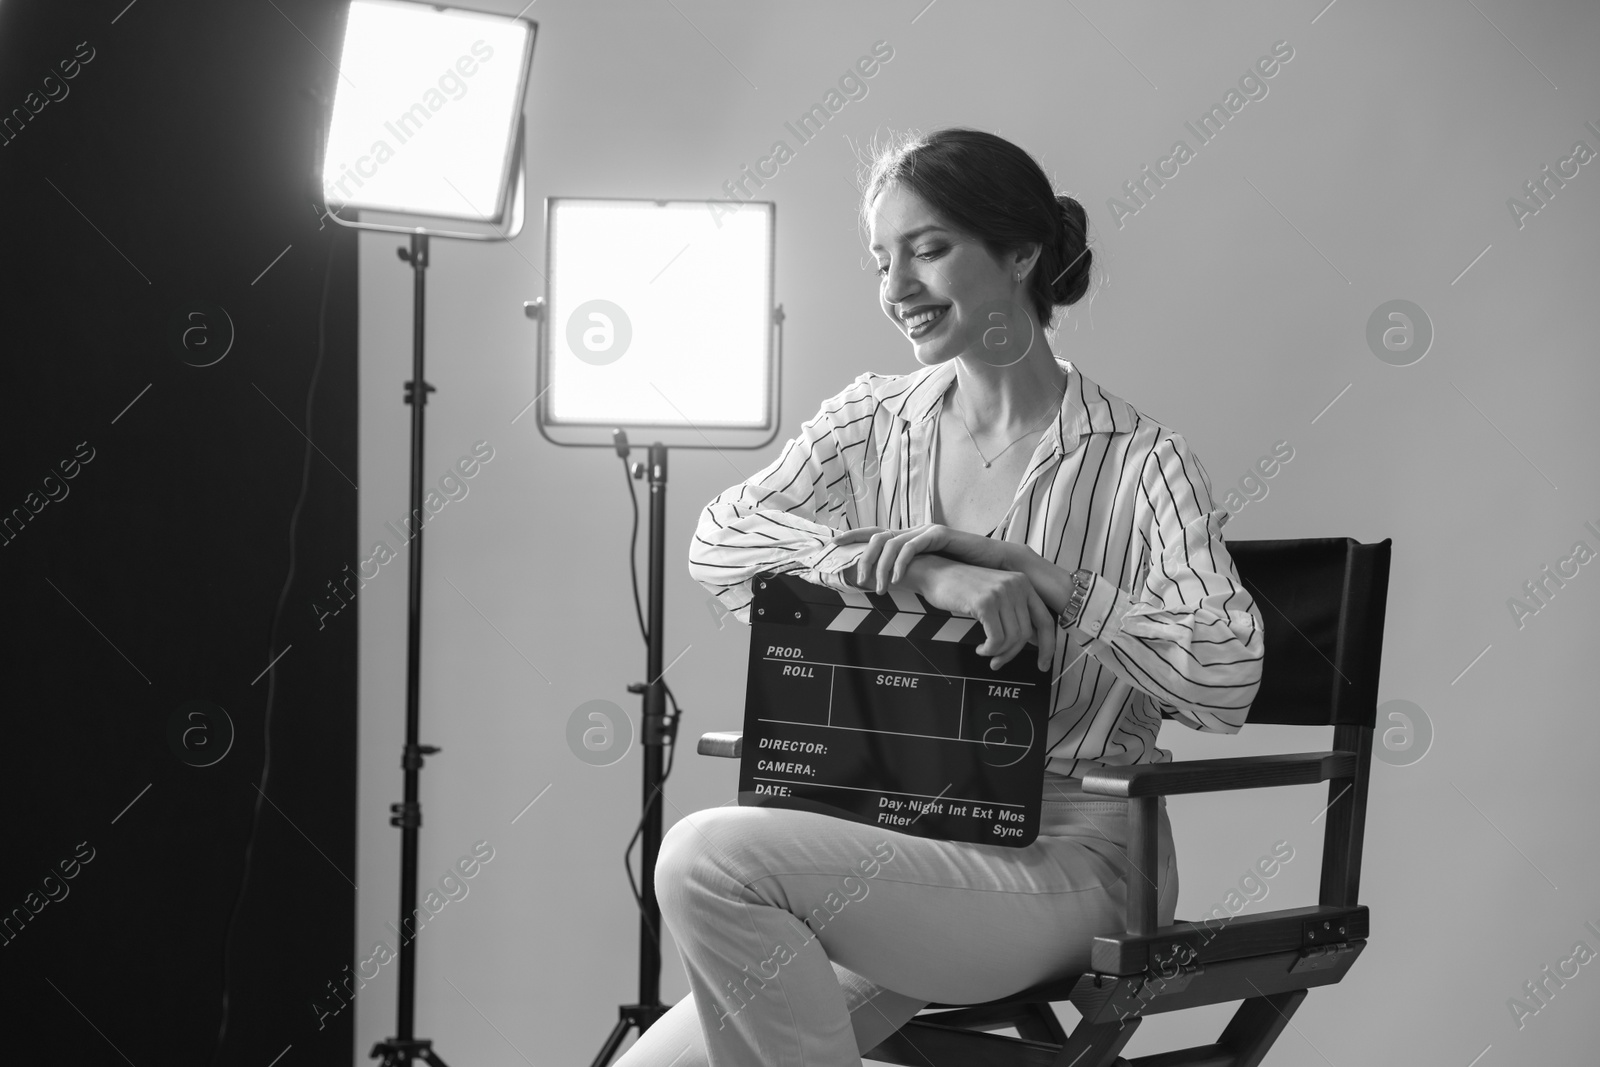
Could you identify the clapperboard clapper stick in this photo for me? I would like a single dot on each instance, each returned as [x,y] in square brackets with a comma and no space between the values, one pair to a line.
[877,708]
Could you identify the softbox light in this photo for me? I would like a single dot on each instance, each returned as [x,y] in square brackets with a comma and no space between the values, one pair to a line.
[660,321]
[426,124]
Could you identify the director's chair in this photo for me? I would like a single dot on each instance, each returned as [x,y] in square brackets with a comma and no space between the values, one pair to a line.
[1322,605]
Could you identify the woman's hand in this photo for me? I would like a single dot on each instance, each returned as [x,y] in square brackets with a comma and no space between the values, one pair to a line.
[1005,602]
[890,552]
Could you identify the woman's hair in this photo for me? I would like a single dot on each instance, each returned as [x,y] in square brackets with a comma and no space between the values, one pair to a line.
[988,187]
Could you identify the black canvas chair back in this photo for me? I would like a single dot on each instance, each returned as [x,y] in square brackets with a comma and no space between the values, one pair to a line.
[1324,627]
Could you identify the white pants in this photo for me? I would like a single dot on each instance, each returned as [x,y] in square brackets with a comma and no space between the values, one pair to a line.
[808,939]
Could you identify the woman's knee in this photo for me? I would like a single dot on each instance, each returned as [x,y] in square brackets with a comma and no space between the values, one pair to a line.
[695,851]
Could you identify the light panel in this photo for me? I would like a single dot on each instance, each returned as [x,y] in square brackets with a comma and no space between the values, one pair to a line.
[659,314]
[425,114]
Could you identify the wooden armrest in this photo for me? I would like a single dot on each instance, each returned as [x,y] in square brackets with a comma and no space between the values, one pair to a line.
[1212,775]
[1215,939]
[729,743]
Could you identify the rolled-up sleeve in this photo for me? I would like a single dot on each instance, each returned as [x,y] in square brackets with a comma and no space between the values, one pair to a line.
[1190,637]
[784,517]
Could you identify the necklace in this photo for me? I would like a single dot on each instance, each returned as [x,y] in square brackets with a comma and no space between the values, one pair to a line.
[986,461]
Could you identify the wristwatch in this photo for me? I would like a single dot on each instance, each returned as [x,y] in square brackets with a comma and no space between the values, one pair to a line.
[1082,583]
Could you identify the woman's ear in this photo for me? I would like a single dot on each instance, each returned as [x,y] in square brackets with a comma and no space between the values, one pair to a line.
[1023,259]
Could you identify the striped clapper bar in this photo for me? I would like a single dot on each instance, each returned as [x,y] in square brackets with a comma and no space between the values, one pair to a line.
[878,709]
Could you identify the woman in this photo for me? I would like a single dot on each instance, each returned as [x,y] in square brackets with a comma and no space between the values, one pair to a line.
[997,482]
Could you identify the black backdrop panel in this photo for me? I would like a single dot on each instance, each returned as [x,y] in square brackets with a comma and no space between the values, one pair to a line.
[163,275]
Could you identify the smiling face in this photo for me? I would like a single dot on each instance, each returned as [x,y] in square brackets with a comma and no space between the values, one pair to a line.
[942,287]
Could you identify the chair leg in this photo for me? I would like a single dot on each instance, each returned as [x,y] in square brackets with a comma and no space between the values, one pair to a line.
[1096,1044]
[1257,1024]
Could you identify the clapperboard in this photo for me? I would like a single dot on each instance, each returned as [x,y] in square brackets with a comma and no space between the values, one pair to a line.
[877,708]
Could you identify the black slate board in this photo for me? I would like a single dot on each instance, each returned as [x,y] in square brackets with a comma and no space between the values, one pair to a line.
[877,709]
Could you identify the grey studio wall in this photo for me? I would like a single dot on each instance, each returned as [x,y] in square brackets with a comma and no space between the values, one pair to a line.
[1375,164]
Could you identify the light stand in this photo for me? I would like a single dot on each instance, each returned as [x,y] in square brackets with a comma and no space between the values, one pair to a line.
[395,157]
[405,1047]
[401,1049]
[658,732]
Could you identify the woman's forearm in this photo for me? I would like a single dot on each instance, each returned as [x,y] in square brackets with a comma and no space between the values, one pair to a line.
[915,580]
[918,574]
[1053,583]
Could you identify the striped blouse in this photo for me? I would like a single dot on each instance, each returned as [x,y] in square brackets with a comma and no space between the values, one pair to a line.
[1167,632]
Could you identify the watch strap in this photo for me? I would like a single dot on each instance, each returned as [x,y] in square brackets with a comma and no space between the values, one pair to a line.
[1082,583]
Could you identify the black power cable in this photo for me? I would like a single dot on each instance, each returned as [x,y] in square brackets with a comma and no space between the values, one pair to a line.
[272,644]
[633,549]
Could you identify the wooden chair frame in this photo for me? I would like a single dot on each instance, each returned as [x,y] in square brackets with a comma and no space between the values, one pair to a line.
[1322,602]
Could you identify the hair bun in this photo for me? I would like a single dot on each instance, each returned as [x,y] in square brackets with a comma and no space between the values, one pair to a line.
[1071,271]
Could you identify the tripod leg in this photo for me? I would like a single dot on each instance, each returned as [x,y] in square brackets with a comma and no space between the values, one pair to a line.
[614,1042]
